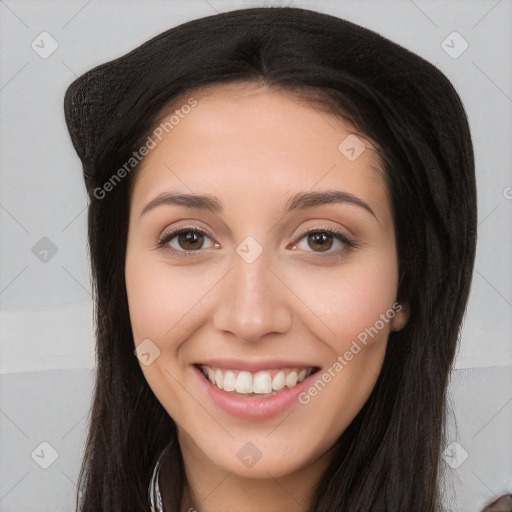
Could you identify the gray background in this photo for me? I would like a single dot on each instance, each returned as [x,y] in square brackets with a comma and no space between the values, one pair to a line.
[46,345]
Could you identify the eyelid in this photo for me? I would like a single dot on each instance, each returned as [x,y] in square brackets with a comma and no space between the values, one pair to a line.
[190,227]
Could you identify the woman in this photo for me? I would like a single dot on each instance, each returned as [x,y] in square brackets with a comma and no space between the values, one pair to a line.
[282,224]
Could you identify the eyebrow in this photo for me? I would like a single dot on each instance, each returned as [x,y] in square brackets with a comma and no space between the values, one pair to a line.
[299,201]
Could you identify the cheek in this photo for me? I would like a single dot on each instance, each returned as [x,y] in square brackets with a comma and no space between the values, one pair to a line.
[146,300]
[158,298]
[160,304]
[349,299]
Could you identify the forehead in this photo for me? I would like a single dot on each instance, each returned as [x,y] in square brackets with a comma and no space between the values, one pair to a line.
[240,137]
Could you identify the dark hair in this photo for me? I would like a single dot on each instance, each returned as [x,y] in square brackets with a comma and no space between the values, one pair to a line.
[388,458]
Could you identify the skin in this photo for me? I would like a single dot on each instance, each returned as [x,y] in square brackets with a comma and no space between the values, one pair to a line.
[254,149]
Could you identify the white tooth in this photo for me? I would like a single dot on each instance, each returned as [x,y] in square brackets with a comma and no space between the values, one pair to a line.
[210,373]
[291,379]
[244,383]
[229,381]
[262,383]
[278,381]
[218,378]
[302,375]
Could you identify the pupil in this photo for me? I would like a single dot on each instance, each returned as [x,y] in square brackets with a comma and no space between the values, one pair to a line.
[189,238]
[321,239]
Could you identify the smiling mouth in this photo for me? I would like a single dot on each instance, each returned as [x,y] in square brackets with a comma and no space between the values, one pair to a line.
[263,383]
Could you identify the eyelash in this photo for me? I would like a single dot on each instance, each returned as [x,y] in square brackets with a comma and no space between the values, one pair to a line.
[167,237]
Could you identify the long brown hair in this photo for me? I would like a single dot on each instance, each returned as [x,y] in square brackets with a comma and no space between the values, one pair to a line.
[388,459]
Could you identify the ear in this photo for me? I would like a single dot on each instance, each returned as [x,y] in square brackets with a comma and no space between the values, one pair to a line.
[399,321]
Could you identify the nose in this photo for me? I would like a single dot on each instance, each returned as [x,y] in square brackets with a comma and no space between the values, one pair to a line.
[252,301]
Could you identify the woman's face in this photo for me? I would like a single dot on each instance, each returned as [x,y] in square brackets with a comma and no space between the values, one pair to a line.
[263,286]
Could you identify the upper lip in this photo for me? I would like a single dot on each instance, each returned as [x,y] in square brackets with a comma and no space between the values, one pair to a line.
[255,365]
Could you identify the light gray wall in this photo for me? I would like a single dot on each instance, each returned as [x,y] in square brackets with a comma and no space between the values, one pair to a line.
[46,345]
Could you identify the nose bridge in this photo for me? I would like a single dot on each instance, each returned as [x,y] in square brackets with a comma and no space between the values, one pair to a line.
[252,302]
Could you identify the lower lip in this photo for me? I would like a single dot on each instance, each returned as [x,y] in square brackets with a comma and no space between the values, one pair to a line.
[253,408]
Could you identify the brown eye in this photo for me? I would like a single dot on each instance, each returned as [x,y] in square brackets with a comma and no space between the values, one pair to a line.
[185,241]
[190,240]
[325,243]
[320,241]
